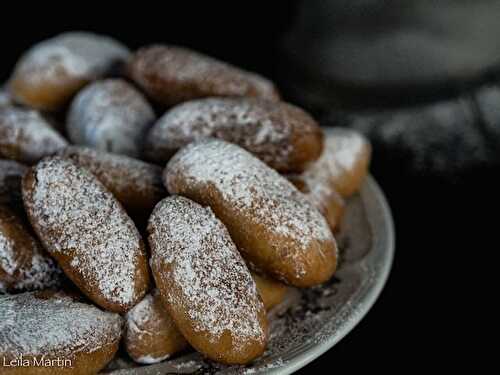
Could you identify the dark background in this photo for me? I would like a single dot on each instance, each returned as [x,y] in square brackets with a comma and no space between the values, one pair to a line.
[439,217]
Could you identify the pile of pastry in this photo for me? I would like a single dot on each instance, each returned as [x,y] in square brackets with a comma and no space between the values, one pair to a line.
[161,200]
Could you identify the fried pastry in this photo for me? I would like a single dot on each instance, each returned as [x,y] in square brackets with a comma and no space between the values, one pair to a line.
[274,226]
[110,115]
[26,136]
[271,291]
[280,134]
[204,283]
[151,335]
[47,333]
[48,75]
[343,164]
[171,75]
[24,265]
[83,226]
[136,184]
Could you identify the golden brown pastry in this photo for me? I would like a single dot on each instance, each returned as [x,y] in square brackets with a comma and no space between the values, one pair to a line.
[47,333]
[26,136]
[24,265]
[275,226]
[280,134]
[343,164]
[136,184]
[52,71]
[110,115]
[151,335]
[84,227]
[11,174]
[204,282]
[322,193]
[171,75]
[271,291]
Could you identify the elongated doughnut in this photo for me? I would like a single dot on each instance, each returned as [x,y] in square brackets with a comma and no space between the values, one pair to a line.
[171,75]
[136,184]
[280,134]
[271,291]
[151,335]
[47,333]
[26,136]
[204,282]
[110,115]
[343,164]
[274,226]
[52,71]
[84,227]
[24,265]
[322,193]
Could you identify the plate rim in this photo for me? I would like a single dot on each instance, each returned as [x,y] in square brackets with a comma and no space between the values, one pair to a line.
[368,299]
[372,190]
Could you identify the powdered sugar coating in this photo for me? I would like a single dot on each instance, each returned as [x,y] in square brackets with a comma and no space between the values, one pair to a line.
[207,279]
[141,312]
[149,360]
[248,185]
[110,115]
[30,325]
[79,55]
[151,335]
[11,173]
[136,184]
[80,221]
[319,193]
[346,153]
[347,145]
[318,185]
[23,263]
[5,98]
[7,257]
[267,129]
[26,136]
[171,75]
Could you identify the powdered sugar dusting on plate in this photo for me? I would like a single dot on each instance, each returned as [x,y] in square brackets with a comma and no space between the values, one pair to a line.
[270,366]
[28,134]
[218,293]
[30,325]
[91,225]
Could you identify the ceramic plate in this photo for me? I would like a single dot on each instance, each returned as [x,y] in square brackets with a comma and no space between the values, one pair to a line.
[311,321]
